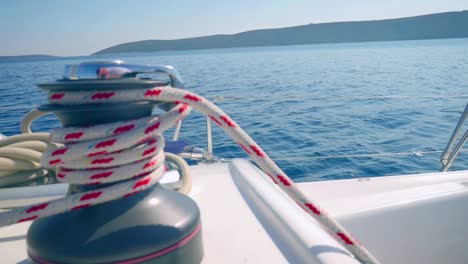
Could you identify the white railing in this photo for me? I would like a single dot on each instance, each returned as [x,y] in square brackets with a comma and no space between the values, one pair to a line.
[204,155]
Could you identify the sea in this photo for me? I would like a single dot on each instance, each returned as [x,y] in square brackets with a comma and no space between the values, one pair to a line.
[328,111]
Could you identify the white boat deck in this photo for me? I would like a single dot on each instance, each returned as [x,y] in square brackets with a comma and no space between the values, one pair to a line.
[400,219]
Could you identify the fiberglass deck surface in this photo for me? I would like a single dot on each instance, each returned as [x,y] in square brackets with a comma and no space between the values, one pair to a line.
[232,233]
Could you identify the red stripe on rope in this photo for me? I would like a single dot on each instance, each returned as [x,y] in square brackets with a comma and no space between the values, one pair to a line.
[182,108]
[55,161]
[76,135]
[101,175]
[102,95]
[27,219]
[59,151]
[345,238]
[37,208]
[152,128]
[90,196]
[141,182]
[244,148]
[151,142]
[56,96]
[107,143]
[148,151]
[152,92]
[149,164]
[192,98]
[256,150]
[312,208]
[215,120]
[283,180]
[102,161]
[227,121]
[123,129]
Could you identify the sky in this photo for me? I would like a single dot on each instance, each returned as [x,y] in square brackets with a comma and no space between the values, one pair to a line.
[81,27]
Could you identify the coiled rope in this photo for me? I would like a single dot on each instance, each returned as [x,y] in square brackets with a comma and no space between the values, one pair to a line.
[133,149]
[20,154]
[20,158]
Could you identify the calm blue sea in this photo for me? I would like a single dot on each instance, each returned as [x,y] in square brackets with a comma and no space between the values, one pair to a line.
[304,103]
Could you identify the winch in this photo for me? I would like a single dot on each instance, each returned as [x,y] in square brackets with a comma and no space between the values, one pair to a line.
[144,225]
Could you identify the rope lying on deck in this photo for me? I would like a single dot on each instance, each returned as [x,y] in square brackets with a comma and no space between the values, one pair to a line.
[116,151]
[20,157]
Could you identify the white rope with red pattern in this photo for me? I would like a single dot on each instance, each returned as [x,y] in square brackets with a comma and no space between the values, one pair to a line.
[112,152]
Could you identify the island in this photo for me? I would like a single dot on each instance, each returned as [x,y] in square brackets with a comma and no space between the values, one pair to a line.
[433,26]
[26,58]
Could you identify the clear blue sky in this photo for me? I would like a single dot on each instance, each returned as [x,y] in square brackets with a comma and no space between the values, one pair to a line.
[81,27]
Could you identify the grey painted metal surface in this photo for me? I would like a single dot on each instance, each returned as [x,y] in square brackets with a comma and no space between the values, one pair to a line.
[117,70]
[124,229]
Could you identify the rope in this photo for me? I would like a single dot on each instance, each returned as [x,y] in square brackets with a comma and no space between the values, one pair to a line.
[184,185]
[20,158]
[26,121]
[132,149]
[20,154]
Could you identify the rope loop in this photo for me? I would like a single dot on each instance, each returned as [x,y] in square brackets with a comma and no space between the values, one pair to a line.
[133,150]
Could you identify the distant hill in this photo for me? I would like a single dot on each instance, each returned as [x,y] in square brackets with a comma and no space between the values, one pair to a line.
[434,26]
[25,57]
